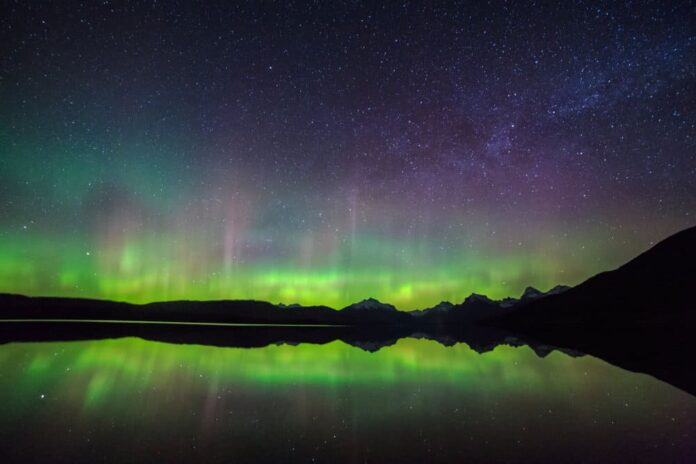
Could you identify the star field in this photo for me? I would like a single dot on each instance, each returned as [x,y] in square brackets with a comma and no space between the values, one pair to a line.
[326,152]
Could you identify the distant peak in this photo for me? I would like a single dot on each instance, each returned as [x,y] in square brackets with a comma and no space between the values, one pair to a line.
[443,305]
[289,306]
[371,303]
[558,289]
[531,292]
[475,297]
[508,302]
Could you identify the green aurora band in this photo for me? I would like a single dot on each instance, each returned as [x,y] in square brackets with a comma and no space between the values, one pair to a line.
[146,226]
[257,153]
[148,266]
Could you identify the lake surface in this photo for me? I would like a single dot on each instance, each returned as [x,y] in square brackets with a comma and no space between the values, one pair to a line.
[131,400]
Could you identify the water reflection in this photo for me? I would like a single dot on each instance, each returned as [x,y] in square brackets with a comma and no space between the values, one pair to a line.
[128,400]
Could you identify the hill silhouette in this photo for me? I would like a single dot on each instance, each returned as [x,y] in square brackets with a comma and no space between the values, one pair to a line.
[640,316]
[660,282]
[367,313]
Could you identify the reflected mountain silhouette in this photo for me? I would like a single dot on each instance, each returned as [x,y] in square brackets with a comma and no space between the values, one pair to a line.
[372,339]
[639,317]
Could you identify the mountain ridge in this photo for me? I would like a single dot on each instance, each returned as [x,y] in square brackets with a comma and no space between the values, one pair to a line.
[639,316]
[16,306]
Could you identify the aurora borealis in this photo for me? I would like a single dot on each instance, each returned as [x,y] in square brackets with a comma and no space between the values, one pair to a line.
[329,152]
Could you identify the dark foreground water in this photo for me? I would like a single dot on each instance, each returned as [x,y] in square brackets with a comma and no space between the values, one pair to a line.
[130,400]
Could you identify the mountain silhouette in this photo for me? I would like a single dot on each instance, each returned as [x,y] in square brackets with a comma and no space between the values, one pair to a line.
[659,283]
[373,312]
[367,312]
[476,308]
[640,316]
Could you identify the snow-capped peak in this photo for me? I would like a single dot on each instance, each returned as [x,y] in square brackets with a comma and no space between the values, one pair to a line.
[372,303]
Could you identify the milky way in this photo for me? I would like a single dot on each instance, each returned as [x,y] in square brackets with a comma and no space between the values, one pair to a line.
[327,153]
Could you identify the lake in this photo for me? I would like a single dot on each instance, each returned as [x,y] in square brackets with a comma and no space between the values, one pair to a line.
[131,400]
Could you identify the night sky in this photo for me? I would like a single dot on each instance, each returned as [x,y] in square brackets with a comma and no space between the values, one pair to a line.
[327,152]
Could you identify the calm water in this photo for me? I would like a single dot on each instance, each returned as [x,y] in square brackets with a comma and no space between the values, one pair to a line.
[129,400]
